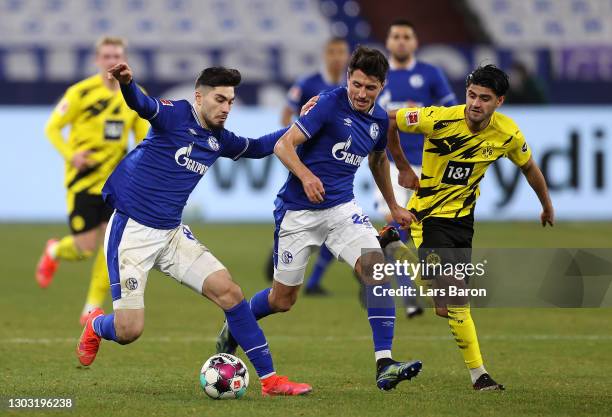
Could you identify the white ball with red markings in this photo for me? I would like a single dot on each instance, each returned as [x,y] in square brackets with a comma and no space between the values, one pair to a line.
[224,376]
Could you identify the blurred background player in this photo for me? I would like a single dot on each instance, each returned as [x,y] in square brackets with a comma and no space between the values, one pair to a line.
[461,144]
[335,59]
[332,75]
[410,83]
[100,123]
[525,87]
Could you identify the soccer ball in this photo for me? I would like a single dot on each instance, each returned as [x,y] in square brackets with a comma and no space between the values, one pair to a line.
[224,376]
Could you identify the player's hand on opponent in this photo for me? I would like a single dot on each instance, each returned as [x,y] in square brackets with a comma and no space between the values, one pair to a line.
[81,161]
[121,72]
[309,105]
[407,178]
[313,187]
[402,216]
[548,217]
[392,120]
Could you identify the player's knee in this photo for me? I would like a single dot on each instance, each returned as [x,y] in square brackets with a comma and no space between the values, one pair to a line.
[230,296]
[128,332]
[283,303]
[86,247]
[442,312]
[367,268]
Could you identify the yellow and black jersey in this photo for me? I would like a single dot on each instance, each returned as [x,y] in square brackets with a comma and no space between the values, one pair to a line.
[100,122]
[455,159]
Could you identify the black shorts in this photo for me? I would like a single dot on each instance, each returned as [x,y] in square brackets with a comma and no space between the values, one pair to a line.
[89,211]
[447,241]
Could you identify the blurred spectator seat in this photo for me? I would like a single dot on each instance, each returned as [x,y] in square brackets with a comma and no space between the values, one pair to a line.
[546,23]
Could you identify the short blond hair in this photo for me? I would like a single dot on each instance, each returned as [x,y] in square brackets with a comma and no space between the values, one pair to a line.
[111,40]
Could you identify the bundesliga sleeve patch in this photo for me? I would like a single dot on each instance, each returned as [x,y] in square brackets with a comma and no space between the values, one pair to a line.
[412,118]
[62,107]
[295,93]
[165,102]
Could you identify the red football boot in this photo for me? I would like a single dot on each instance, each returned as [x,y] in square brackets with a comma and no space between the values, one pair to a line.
[89,343]
[280,385]
[46,266]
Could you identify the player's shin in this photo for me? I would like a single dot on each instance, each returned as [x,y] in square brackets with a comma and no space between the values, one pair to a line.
[464,331]
[381,315]
[99,285]
[250,337]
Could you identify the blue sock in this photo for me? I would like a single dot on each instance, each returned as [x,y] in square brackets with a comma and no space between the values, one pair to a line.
[381,315]
[104,326]
[250,337]
[259,304]
[323,260]
[402,232]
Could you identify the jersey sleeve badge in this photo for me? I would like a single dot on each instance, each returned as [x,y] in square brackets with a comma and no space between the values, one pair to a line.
[62,107]
[412,118]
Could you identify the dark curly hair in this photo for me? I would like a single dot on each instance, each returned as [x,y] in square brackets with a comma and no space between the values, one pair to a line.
[491,77]
[218,77]
[370,61]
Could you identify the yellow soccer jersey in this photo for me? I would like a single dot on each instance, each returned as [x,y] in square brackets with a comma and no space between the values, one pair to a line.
[100,121]
[455,159]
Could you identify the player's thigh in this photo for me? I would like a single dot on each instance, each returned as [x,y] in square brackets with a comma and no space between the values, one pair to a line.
[130,249]
[221,289]
[442,257]
[464,231]
[295,236]
[187,260]
[87,241]
[352,238]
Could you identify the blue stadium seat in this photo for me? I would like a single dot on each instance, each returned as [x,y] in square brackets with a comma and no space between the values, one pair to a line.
[541,23]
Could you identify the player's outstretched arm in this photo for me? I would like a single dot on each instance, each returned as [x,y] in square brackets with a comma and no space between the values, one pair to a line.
[536,180]
[264,146]
[379,165]
[145,106]
[260,147]
[407,177]
[285,151]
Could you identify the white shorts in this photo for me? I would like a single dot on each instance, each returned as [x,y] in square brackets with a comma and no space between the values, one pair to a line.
[402,195]
[133,249]
[344,229]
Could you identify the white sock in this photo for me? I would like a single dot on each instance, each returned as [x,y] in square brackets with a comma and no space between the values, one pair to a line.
[475,373]
[382,354]
[88,308]
[52,250]
[266,376]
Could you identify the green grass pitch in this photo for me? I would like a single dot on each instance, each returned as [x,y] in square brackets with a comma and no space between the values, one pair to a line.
[553,361]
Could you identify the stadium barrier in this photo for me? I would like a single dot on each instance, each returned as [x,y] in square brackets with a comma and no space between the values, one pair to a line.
[571,144]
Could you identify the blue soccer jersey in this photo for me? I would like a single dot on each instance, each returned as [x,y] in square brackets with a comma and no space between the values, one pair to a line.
[338,140]
[153,182]
[308,87]
[421,85]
